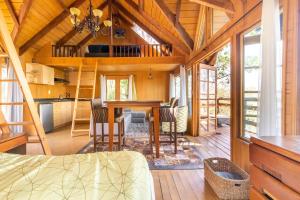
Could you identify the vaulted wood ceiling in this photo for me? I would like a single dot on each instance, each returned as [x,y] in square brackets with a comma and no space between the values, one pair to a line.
[35,24]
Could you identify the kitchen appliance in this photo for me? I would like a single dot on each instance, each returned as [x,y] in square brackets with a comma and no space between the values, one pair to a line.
[46,116]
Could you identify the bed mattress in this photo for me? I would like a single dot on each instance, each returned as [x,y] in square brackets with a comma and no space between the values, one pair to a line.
[105,175]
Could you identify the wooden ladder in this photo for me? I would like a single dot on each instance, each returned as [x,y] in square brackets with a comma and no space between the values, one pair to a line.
[34,130]
[83,103]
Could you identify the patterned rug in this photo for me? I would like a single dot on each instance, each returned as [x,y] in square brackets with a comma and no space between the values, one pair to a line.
[187,157]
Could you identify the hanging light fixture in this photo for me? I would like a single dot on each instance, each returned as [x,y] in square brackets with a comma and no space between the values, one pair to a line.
[90,22]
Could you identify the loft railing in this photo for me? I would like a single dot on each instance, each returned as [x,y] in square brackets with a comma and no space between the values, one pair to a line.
[66,51]
[144,50]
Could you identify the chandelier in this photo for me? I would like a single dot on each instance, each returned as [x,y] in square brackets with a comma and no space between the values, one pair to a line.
[91,22]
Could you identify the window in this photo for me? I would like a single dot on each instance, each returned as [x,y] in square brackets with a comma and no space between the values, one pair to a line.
[117,87]
[111,89]
[250,80]
[124,89]
[189,90]
[177,86]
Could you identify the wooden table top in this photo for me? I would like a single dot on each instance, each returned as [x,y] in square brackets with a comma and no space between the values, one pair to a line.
[288,146]
[121,103]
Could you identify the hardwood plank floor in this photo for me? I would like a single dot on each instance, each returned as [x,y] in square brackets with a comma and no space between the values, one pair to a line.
[168,184]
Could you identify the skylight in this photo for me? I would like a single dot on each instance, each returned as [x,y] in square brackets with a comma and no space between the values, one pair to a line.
[143,34]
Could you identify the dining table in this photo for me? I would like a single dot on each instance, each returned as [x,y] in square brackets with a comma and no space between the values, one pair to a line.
[154,104]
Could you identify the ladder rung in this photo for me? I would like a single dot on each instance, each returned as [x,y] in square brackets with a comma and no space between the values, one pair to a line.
[86,88]
[81,130]
[12,103]
[15,123]
[5,137]
[82,119]
[8,80]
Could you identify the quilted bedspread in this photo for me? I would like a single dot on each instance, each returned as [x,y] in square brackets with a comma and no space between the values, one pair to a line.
[105,175]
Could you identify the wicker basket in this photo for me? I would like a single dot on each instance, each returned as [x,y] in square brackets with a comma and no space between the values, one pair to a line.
[226,188]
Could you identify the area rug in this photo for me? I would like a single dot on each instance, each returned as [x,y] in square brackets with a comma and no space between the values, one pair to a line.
[187,157]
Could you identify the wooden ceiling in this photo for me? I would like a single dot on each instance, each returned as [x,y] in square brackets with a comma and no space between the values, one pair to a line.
[35,24]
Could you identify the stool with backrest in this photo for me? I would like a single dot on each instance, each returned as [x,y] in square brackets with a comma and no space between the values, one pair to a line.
[100,116]
[166,115]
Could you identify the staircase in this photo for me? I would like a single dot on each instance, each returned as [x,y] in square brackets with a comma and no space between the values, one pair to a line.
[85,92]
[33,131]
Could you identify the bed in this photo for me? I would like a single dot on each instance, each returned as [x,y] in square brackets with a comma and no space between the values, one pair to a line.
[105,175]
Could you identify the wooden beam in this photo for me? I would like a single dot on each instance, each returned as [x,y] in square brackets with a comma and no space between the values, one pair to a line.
[52,24]
[179,28]
[208,24]
[73,32]
[22,16]
[111,61]
[177,15]
[200,28]
[250,17]
[178,44]
[224,5]
[85,40]
[12,11]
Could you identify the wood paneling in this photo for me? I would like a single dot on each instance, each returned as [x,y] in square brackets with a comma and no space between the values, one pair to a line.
[47,91]
[148,89]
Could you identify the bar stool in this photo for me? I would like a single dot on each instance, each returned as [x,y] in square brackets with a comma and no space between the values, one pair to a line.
[100,115]
[165,115]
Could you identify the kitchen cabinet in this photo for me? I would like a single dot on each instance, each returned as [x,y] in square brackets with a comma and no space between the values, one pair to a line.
[39,74]
[62,113]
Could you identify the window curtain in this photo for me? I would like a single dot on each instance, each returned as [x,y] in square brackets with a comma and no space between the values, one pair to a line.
[269,121]
[103,87]
[182,100]
[131,88]
[172,86]
[11,92]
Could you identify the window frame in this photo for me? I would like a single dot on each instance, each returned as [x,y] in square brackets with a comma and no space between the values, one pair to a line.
[241,57]
[117,79]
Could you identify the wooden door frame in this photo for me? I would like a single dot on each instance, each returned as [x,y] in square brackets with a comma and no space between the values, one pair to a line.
[117,79]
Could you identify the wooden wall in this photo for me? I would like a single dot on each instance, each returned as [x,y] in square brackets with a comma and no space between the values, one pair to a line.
[146,89]
[47,91]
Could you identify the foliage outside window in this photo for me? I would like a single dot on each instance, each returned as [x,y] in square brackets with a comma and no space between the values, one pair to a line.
[124,89]
[111,89]
[117,88]
[223,81]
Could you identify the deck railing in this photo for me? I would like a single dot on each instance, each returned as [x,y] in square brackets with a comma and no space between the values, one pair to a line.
[250,110]
[144,50]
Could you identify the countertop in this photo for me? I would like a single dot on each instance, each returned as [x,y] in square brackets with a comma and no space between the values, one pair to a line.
[52,100]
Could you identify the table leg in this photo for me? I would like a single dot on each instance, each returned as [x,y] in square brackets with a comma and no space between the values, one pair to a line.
[111,120]
[156,129]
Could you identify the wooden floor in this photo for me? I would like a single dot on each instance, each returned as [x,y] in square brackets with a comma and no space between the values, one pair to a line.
[169,184]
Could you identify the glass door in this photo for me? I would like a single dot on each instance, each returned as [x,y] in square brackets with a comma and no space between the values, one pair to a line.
[207,99]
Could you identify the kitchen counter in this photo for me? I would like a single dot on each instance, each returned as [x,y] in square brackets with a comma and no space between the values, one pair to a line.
[50,100]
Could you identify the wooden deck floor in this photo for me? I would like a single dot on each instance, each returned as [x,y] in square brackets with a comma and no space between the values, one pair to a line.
[169,184]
